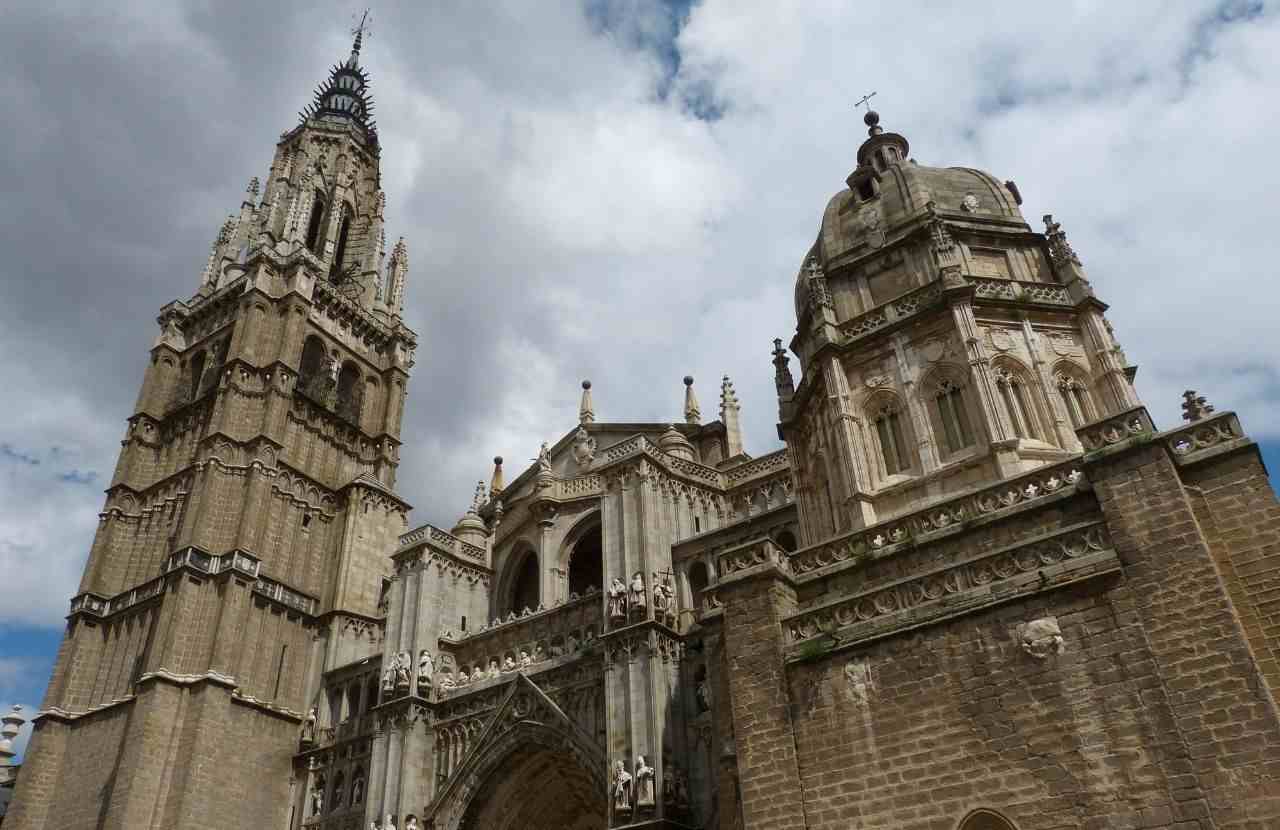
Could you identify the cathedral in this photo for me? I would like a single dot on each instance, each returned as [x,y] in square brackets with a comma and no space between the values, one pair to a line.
[977,590]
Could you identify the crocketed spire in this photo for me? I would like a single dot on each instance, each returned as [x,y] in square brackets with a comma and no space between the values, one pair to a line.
[345,94]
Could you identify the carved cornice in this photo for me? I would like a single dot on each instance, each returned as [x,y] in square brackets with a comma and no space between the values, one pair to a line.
[985,504]
[961,587]
[1206,438]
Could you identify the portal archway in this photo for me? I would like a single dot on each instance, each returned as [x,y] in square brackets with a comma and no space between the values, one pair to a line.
[537,788]
[982,819]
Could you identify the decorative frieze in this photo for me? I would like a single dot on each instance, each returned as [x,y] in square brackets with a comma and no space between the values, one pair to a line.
[1019,291]
[960,587]
[1116,429]
[1195,440]
[1055,480]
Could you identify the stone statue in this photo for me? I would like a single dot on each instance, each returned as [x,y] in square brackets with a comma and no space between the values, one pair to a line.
[426,668]
[389,676]
[508,665]
[617,600]
[703,693]
[664,595]
[525,659]
[539,653]
[388,823]
[403,662]
[621,787]
[544,459]
[317,797]
[331,368]
[411,823]
[309,726]
[494,668]
[357,791]
[446,681]
[637,593]
[644,783]
[584,448]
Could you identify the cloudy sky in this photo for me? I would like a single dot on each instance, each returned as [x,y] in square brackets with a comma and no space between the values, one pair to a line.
[619,191]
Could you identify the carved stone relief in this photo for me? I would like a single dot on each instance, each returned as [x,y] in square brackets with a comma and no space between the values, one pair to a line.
[1041,638]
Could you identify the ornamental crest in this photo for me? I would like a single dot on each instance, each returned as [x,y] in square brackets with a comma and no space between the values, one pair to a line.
[584,448]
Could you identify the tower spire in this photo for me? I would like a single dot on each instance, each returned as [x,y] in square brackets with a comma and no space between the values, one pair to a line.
[587,410]
[692,412]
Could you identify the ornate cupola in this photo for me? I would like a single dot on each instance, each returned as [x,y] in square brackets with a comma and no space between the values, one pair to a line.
[345,94]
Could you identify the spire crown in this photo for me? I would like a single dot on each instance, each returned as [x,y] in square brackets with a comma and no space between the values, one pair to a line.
[587,409]
[692,412]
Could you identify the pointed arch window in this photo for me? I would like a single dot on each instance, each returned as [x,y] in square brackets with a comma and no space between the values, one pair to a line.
[1075,397]
[894,453]
[197,373]
[316,224]
[311,368]
[1016,398]
[954,415]
[350,392]
[344,229]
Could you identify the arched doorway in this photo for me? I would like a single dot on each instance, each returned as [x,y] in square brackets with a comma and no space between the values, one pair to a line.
[537,788]
[586,562]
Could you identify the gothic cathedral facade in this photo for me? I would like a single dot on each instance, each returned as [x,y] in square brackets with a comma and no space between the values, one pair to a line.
[977,590]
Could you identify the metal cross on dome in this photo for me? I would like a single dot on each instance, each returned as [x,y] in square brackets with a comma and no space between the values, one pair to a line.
[866,99]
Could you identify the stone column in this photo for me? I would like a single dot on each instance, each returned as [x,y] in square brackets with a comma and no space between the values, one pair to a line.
[852,480]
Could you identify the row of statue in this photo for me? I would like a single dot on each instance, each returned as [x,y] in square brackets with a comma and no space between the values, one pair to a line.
[396,677]
[629,600]
[631,792]
[389,823]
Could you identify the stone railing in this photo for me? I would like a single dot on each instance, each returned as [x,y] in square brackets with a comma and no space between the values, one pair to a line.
[285,595]
[526,642]
[892,311]
[201,561]
[762,466]
[580,487]
[753,554]
[1114,429]
[1066,477]
[693,469]
[1017,291]
[958,587]
[441,539]
[1192,441]
[629,447]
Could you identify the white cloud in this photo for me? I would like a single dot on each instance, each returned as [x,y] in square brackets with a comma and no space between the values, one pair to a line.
[566,220]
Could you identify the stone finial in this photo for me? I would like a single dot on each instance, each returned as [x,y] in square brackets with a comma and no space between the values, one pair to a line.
[587,410]
[397,272]
[477,501]
[1195,407]
[496,484]
[872,120]
[729,416]
[692,412]
[1060,250]
[10,725]
[782,379]
[252,190]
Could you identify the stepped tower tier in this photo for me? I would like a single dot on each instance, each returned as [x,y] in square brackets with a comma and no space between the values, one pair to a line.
[943,343]
[242,551]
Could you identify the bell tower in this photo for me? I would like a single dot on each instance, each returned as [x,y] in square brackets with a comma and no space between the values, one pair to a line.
[242,549]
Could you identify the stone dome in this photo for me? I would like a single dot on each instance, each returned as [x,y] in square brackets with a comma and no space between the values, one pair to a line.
[886,190]
[674,443]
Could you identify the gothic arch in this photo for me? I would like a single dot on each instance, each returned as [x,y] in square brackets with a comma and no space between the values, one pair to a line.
[311,364]
[1022,398]
[582,555]
[953,410]
[520,584]
[1075,392]
[315,221]
[350,392]
[890,436]
[531,768]
[984,819]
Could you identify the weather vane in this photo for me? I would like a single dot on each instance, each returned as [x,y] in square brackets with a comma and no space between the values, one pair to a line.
[364,27]
[866,99]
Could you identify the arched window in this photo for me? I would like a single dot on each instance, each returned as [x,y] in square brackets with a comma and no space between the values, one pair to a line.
[350,391]
[344,228]
[1074,391]
[524,584]
[314,226]
[586,562]
[952,412]
[197,372]
[311,373]
[1015,395]
[698,581]
[891,437]
[985,820]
